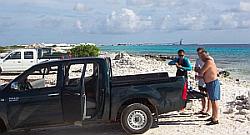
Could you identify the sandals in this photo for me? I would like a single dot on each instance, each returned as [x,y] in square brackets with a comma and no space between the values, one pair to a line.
[202,113]
[209,119]
[212,122]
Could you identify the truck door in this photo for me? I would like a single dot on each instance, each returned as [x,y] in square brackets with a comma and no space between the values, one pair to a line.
[73,91]
[12,62]
[28,60]
[34,98]
[81,91]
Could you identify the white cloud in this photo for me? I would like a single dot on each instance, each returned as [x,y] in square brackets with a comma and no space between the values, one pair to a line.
[194,22]
[140,2]
[183,22]
[245,5]
[79,24]
[246,24]
[126,21]
[171,3]
[228,21]
[81,7]
[50,22]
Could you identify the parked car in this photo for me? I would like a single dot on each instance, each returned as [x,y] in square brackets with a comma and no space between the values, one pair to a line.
[21,59]
[83,89]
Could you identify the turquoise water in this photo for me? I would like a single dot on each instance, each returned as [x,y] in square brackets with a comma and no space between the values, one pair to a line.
[231,57]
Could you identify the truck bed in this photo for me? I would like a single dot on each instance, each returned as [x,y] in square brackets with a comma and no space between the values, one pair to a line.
[140,79]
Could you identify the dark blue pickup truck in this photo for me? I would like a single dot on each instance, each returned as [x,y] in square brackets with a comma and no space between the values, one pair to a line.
[83,89]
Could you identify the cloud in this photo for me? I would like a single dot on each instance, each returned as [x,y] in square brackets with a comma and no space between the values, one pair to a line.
[79,25]
[113,1]
[194,22]
[183,22]
[139,2]
[228,21]
[172,3]
[127,21]
[245,5]
[49,22]
[81,7]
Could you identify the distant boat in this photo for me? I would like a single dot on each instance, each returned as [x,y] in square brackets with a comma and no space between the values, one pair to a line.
[181,42]
[176,43]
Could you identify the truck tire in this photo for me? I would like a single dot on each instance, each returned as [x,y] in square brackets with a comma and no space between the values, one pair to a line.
[136,118]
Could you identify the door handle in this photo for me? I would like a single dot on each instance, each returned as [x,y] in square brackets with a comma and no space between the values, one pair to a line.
[77,94]
[53,94]
[18,61]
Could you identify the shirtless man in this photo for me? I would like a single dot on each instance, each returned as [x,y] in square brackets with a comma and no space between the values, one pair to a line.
[205,102]
[209,71]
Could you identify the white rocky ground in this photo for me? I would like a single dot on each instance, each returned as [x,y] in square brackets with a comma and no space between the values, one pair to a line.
[234,107]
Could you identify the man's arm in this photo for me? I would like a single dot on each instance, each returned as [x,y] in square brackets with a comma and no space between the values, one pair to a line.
[173,62]
[197,65]
[189,66]
[205,67]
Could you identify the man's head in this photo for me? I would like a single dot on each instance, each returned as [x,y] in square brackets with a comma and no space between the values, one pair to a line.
[204,56]
[181,53]
[199,51]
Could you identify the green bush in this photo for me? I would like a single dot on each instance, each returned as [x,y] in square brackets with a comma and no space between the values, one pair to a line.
[2,49]
[85,51]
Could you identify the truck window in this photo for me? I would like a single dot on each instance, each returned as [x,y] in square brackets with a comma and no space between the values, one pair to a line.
[28,55]
[73,74]
[15,55]
[42,77]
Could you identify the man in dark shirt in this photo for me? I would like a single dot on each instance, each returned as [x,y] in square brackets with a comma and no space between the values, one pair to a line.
[182,64]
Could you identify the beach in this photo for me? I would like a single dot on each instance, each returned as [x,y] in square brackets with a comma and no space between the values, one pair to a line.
[233,118]
[234,105]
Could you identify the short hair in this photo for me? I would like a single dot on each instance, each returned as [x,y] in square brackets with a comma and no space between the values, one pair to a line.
[200,49]
[181,50]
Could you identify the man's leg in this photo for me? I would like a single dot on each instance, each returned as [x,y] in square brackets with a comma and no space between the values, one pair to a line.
[203,100]
[215,100]
[215,107]
[209,105]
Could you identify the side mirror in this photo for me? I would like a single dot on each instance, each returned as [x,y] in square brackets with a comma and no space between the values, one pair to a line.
[15,86]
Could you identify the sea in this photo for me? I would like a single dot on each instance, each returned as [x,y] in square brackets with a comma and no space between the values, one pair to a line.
[233,58]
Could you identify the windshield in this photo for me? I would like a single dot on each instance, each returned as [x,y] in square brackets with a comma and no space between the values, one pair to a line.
[3,55]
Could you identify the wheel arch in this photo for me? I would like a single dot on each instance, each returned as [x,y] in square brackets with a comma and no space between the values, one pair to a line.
[143,101]
[3,123]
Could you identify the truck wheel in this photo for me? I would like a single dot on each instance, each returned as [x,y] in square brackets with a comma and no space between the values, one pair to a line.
[136,118]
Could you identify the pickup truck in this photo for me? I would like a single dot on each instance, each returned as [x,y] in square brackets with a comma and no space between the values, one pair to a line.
[21,59]
[83,89]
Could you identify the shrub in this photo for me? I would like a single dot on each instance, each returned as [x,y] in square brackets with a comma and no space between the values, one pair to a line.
[2,49]
[85,51]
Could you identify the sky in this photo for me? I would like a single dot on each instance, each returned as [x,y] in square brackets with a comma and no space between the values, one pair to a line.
[124,21]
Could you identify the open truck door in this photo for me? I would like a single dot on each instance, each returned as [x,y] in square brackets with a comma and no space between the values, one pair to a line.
[81,88]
